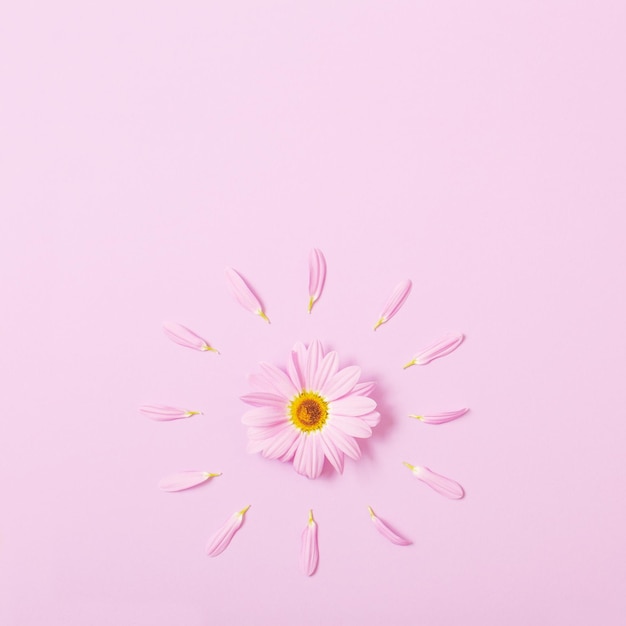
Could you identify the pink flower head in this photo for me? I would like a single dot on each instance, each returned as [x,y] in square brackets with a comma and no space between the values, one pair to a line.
[312,412]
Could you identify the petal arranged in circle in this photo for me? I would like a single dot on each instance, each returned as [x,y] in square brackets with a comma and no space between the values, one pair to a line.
[353,426]
[352,406]
[326,371]
[387,532]
[364,389]
[185,480]
[330,450]
[371,419]
[341,383]
[314,357]
[309,458]
[278,380]
[280,442]
[296,364]
[343,442]
[264,416]
[309,551]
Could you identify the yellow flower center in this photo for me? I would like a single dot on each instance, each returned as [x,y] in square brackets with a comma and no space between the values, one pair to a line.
[309,411]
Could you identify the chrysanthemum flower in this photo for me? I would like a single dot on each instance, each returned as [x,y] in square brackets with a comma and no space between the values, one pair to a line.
[314,412]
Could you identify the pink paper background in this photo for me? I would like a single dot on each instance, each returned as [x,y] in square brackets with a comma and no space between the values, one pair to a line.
[477,148]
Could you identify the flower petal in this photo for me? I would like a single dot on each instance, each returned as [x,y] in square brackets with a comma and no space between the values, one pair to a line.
[371,419]
[364,389]
[341,383]
[294,446]
[440,348]
[440,418]
[441,484]
[309,458]
[330,450]
[314,357]
[222,538]
[317,276]
[280,443]
[261,398]
[344,442]
[243,294]
[309,551]
[326,371]
[264,416]
[396,300]
[352,406]
[278,380]
[386,531]
[352,426]
[164,413]
[296,365]
[184,337]
[185,480]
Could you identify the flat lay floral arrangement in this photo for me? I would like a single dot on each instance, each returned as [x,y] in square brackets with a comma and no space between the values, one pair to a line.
[309,412]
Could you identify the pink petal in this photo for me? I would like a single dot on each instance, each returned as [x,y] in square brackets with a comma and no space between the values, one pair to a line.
[445,486]
[344,442]
[280,443]
[352,426]
[264,416]
[296,365]
[438,349]
[314,357]
[341,383]
[265,432]
[371,419]
[309,457]
[287,456]
[331,451]
[364,389]
[440,418]
[309,552]
[164,413]
[222,538]
[184,337]
[396,300]
[185,480]
[352,406]
[325,372]
[386,531]
[279,381]
[317,276]
[243,294]
[261,398]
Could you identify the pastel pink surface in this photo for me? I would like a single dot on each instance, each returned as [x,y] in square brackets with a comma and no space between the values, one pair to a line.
[475,148]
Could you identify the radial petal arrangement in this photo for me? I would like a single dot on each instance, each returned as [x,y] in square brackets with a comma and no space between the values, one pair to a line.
[441,484]
[317,276]
[386,531]
[184,337]
[396,300]
[165,413]
[222,538]
[440,348]
[243,294]
[312,412]
[309,550]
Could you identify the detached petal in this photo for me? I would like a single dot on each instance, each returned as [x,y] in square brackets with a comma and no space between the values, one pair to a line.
[184,337]
[185,480]
[445,486]
[309,553]
[222,538]
[440,418]
[164,413]
[395,302]
[444,346]
[317,276]
[243,294]
[386,531]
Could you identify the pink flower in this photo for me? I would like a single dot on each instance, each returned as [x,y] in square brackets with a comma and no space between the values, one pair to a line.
[317,276]
[314,412]
[441,484]
[395,302]
[309,553]
[222,538]
[386,531]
